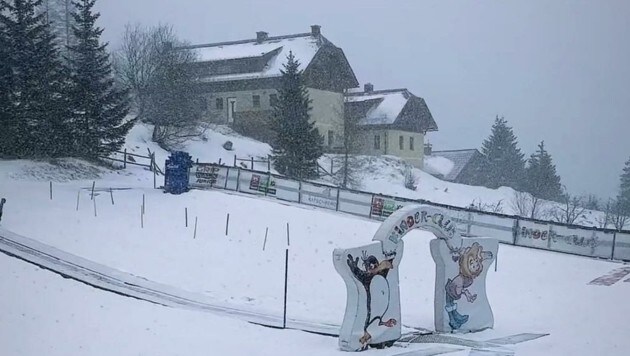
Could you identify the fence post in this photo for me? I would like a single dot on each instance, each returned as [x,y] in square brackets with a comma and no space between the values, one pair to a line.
[469,226]
[268,163]
[371,205]
[515,231]
[299,192]
[338,193]
[125,159]
[238,178]
[227,175]
[234,160]
[614,241]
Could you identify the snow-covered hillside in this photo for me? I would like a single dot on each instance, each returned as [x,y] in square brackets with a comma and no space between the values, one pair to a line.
[383,174]
[528,293]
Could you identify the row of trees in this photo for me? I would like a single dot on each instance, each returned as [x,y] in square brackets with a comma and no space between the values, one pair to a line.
[536,181]
[57,99]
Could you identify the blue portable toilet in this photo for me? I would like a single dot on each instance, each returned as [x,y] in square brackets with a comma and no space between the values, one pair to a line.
[176,172]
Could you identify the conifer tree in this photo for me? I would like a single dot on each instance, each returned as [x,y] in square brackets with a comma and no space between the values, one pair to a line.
[541,178]
[7,122]
[99,109]
[624,190]
[37,107]
[504,164]
[298,143]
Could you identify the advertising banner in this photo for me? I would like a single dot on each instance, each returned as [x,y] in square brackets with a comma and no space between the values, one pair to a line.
[580,241]
[533,234]
[321,196]
[203,175]
[382,207]
[256,183]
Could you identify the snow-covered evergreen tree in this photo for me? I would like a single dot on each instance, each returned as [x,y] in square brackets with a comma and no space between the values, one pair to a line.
[504,164]
[298,143]
[7,122]
[37,106]
[542,181]
[98,108]
[58,14]
[624,189]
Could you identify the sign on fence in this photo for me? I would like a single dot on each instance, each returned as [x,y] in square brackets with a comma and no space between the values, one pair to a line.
[581,241]
[205,175]
[382,207]
[321,196]
[533,234]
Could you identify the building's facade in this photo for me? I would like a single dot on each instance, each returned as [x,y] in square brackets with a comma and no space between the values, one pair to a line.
[240,80]
[391,122]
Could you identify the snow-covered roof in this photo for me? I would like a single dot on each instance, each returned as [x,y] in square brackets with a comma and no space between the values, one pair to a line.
[385,106]
[437,165]
[459,159]
[266,57]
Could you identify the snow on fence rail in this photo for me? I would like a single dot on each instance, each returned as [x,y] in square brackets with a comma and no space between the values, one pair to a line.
[508,229]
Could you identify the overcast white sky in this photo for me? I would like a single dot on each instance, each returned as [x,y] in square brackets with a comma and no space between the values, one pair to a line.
[557,70]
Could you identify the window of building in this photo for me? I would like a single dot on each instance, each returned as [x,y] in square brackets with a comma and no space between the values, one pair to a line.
[219,103]
[411,143]
[377,142]
[273,99]
[331,138]
[256,100]
[401,142]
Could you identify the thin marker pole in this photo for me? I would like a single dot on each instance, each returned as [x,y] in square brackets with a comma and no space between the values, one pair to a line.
[186,215]
[195,233]
[286,278]
[227,224]
[111,194]
[141,218]
[288,241]
[94,200]
[51,197]
[142,203]
[93,184]
[265,243]
[78,196]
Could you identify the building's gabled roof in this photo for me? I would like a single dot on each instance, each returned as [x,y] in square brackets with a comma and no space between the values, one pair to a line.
[395,108]
[459,158]
[265,56]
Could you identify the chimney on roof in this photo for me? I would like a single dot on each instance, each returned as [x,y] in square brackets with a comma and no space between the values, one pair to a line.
[261,36]
[428,149]
[316,30]
[368,87]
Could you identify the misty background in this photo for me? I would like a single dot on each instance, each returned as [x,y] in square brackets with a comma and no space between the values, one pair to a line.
[558,71]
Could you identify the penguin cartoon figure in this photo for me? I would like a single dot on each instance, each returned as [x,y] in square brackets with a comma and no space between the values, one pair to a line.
[373,277]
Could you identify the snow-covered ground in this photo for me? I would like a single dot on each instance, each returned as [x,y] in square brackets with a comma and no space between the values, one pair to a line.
[533,291]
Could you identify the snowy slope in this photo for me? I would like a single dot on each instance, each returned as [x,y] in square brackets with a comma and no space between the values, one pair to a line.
[383,174]
[533,291]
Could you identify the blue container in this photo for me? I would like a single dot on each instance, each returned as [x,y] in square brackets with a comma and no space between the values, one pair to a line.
[177,168]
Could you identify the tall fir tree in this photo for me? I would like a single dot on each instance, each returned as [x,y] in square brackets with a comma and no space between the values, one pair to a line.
[623,198]
[7,122]
[58,15]
[504,164]
[298,144]
[542,181]
[98,108]
[37,107]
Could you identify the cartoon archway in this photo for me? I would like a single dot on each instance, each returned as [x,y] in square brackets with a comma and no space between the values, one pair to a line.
[372,316]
